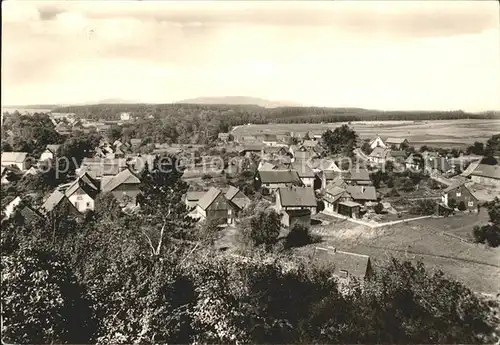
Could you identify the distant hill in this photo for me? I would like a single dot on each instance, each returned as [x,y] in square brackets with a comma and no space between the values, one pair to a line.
[237,100]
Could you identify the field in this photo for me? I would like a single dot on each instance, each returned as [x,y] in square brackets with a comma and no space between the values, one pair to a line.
[477,266]
[449,133]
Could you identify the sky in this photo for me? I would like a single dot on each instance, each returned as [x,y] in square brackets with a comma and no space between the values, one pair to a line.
[415,55]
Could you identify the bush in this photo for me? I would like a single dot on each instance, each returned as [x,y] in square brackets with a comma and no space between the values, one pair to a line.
[206,177]
[298,236]
[423,207]
[461,206]
[378,208]
[489,234]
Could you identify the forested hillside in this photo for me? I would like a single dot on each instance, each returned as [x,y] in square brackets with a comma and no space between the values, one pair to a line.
[241,114]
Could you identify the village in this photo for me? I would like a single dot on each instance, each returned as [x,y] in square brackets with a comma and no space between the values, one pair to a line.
[385,181]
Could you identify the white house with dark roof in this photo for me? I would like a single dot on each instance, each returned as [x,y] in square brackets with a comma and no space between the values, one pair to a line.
[296,198]
[378,142]
[379,155]
[83,192]
[17,159]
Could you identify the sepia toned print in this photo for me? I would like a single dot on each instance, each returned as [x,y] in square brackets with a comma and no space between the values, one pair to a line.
[239,172]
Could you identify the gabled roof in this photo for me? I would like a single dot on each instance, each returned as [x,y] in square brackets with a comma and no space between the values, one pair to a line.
[395,140]
[355,264]
[372,141]
[324,164]
[53,148]
[309,143]
[86,183]
[267,166]
[379,152]
[302,169]
[472,166]
[368,193]
[397,154]
[359,174]
[124,177]
[16,157]
[297,196]
[489,171]
[237,197]
[279,176]
[333,193]
[194,196]
[52,201]
[209,197]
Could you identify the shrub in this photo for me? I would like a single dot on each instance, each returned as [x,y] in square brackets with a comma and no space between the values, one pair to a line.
[489,234]
[378,208]
[298,236]
[206,177]
[423,207]
[461,206]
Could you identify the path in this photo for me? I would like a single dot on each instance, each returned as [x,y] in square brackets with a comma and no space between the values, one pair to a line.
[373,224]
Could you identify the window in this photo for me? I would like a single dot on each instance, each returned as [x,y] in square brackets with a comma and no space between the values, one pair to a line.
[459,194]
[471,203]
[76,205]
[88,204]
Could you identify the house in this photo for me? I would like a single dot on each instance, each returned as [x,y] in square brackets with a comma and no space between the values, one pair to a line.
[397,156]
[329,177]
[124,186]
[135,143]
[191,199]
[118,153]
[62,128]
[349,209]
[117,143]
[459,192]
[57,200]
[82,192]
[270,139]
[358,177]
[316,135]
[306,174]
[290,218]
[299,134]
[324,164]
[263,165]
[213,206]
[248,149]
[296,198]
[414,162]
[283,137]
[224,137]
[50,152]
[362,194]
[102,167]
[378,142]
[236,197]
[22,208]
[345,265]
[11,174]
[333,195]
[270,180]
[310,144]
[31,171]
[398,143]
[125,116]
[247,139]
[378,155]
[19,160]
[488,175]
[437,165]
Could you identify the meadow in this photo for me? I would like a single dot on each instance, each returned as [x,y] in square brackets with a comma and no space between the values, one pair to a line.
[476,265]
[449,133]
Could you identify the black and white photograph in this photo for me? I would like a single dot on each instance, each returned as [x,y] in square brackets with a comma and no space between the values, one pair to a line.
[250,172]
